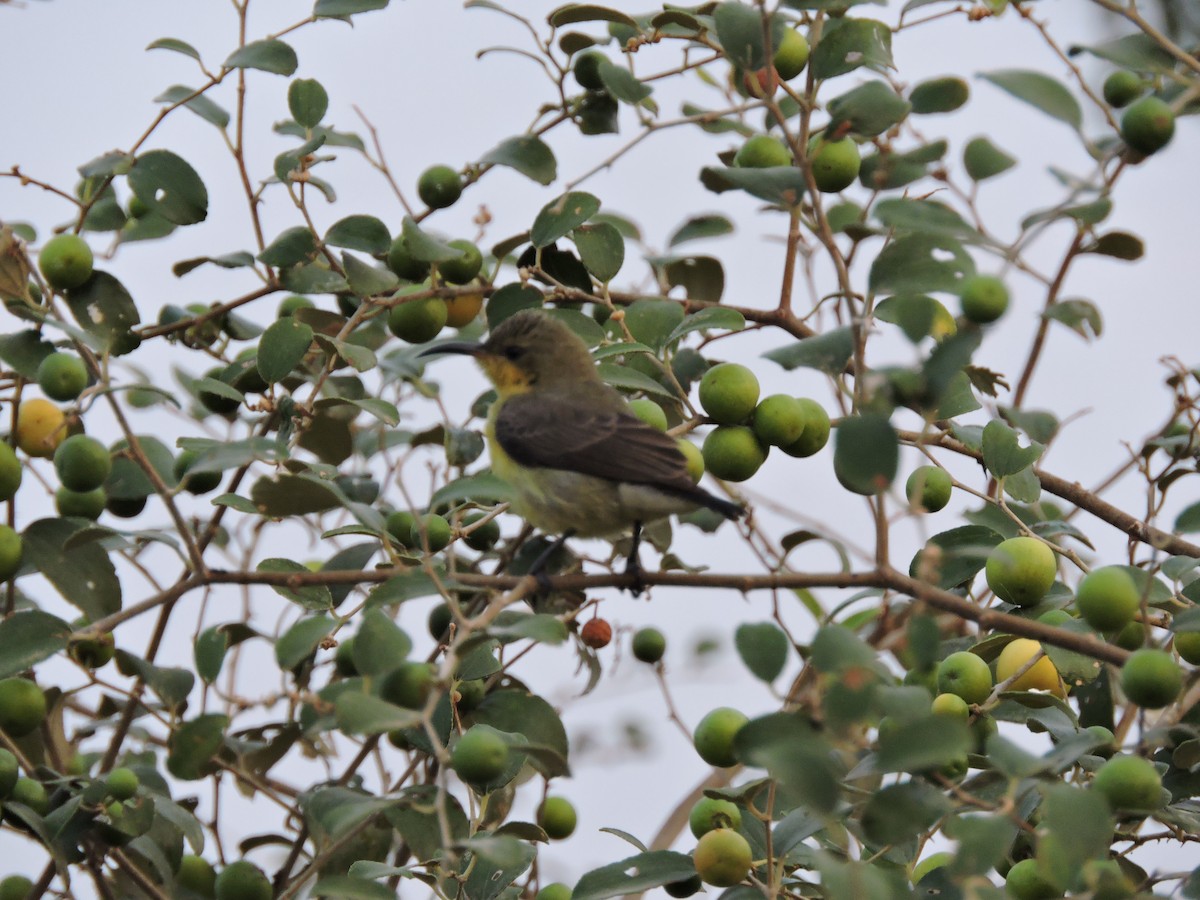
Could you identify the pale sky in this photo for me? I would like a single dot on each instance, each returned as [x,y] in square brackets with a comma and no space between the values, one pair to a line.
[81,84]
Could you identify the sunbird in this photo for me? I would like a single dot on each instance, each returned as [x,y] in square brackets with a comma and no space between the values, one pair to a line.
[578,460]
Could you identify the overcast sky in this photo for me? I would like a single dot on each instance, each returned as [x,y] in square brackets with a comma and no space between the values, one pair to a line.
[80,84]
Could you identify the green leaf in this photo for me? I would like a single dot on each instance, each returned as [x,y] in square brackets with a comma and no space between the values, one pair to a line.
[1040,425]
[888,170]
[292,246]
[193,745]
[128,481]
[236,260]
[292,495]
[333,9]
[176,46]
[1189,520]
[627,379]
[1081,316]
[1040,91]
[307,101]
[520,712]
[1091,213]
[105,310]
[792,752]
[847,44]
[313,596]
[587,12]
[287,164]
[601,250]
[170,187]
[24,351]
[781,185]
[300,641]
[939,95]
[922,744]
[384,411]
[983,842]
[918,264]
[828,352]
[365,233]
[708,319]
[927,217]
[868,109]
[219,456]
[983,159]
[407,586]
[866,453]
[837,649]
[958,555]
[282,347]
[527,154]
[622,84]
[28,637]
[84,575]
[899,812]
[367,280]
[1078,826]
[209,652]
[218,388]
[558,217]
[360,359]
[1002,453]
[483,489]
[634,875]
[499,860]
[652,322]
[915,314]
[424,246]
[346,887]
[380,644]
[541,627]
[763,647]
[1136,51]
[271,55]
[365,714]
[703,226]
[171,684]
[203,106]
[740,31]
[701,277]
[1117,244]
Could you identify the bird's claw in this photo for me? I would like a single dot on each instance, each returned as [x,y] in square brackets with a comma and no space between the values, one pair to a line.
[633,569]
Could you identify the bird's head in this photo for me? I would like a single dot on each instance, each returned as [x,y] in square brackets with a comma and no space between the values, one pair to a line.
[528,349]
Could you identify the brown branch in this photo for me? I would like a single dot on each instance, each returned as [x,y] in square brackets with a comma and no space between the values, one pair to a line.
[1039,340]
[886,578]
[1074,492]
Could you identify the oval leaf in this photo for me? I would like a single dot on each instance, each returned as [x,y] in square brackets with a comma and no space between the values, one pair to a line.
[1040,91]
[558,217]
[528,154]
[866,453]
[281,348]
[268,56]
[763,648]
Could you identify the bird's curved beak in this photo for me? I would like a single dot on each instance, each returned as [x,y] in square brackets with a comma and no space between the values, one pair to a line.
[465,348]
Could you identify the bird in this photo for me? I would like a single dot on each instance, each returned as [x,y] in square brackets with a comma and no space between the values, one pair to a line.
[579,462]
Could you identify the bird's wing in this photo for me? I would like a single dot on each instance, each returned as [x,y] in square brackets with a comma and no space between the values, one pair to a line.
[556,432]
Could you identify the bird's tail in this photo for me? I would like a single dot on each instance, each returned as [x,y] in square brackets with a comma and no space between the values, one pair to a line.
[727,508]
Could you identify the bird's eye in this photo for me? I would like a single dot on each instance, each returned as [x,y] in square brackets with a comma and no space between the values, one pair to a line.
[514,353]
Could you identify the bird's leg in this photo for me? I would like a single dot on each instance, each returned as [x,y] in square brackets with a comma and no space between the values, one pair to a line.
[633,565]
[538,569]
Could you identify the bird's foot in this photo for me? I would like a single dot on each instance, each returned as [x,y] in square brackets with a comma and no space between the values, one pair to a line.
[633,565]
[633,569]
[538,569]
